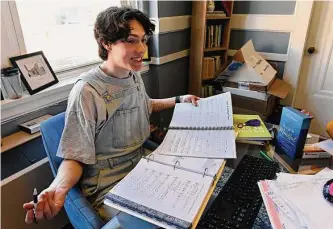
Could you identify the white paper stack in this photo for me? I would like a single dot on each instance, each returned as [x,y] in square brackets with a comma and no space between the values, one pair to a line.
[295,201]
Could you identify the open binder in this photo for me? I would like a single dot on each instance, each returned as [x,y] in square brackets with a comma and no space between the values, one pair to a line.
[205,131]
[168,195]
[171,187]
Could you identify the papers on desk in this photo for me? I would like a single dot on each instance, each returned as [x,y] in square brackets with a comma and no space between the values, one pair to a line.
[295,201]
[326,145]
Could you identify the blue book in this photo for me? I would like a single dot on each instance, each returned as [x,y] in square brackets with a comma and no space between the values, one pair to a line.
[291,137]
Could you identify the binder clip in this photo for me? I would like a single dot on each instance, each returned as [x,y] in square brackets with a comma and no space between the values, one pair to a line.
[204,173]
[148,157]
[174,167]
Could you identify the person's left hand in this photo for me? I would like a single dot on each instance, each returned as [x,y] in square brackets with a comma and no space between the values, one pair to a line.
[190,99]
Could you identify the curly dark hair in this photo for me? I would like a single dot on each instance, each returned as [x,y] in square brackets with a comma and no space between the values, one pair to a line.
[112,25]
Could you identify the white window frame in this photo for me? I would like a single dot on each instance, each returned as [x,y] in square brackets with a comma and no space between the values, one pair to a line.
[12,109]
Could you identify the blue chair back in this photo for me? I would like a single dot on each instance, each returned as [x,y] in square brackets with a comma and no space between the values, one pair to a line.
[79,210]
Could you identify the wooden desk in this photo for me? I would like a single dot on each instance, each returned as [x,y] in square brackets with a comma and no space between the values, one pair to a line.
[17,139]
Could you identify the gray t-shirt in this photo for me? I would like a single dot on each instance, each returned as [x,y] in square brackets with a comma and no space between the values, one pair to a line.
[91,131]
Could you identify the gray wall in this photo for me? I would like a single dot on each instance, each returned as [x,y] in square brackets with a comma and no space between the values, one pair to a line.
[263,41]
[169,79]
[264,7]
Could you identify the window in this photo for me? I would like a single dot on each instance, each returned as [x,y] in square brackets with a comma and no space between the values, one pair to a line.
[63,30]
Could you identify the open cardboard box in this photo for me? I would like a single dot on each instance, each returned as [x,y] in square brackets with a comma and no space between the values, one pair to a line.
[253,73]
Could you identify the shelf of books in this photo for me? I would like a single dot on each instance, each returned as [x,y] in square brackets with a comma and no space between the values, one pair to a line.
[212,32]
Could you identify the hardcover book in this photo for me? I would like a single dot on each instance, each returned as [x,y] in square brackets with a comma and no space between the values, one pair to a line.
[251,133]
[291,137]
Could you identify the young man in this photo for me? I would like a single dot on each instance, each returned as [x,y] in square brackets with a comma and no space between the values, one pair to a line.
[107,117]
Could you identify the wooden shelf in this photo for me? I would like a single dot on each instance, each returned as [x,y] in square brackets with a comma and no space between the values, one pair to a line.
[17,139]
[208,79]
[215,49]
[200,21]
[216,17]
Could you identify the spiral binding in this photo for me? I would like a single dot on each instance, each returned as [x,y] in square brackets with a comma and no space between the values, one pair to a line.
[174,167]
[201,128]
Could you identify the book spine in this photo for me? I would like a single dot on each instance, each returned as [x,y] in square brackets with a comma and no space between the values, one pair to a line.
[316,155]
[201,128]
[150,213]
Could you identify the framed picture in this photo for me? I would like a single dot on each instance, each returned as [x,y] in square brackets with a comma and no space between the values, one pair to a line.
[36,72]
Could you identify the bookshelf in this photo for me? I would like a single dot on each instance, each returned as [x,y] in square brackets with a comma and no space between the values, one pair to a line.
[210,35]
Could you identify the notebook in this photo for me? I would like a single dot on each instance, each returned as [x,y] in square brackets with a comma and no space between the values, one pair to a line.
[205,131]
[167,195]
[251,133]
[204,166]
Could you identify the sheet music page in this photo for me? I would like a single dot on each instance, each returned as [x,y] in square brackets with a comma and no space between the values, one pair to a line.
[197,165]
[215,111]
[201,143]
[175,192]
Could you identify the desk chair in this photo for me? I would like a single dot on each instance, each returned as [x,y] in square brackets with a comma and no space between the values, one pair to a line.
[79,210]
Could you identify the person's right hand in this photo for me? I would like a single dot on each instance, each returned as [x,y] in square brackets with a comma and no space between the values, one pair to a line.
[50,202]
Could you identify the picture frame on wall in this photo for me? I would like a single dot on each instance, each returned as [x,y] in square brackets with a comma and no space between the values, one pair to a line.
[36,72]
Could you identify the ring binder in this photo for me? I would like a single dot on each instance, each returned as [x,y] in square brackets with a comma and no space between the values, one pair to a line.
[201,128]
[148,157]
[174,167]
[204,173]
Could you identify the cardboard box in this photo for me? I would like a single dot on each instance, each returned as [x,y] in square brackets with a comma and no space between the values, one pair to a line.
[254,74]
[246,105]
[247,93]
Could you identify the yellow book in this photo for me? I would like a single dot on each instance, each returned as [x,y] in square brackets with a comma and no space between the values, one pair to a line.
[251,133]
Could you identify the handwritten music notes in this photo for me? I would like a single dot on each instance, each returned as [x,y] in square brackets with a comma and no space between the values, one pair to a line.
[201,144]
[186,138]
[215,111]
[178,193]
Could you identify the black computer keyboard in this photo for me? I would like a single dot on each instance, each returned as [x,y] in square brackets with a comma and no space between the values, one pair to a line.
[239,201]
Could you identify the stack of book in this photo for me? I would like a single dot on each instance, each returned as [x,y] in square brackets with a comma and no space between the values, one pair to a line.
[210,66]
[207,91]
[312,151]
[256,135]
[214,36]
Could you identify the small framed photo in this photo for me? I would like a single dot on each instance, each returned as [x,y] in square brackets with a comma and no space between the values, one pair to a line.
[36,72]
